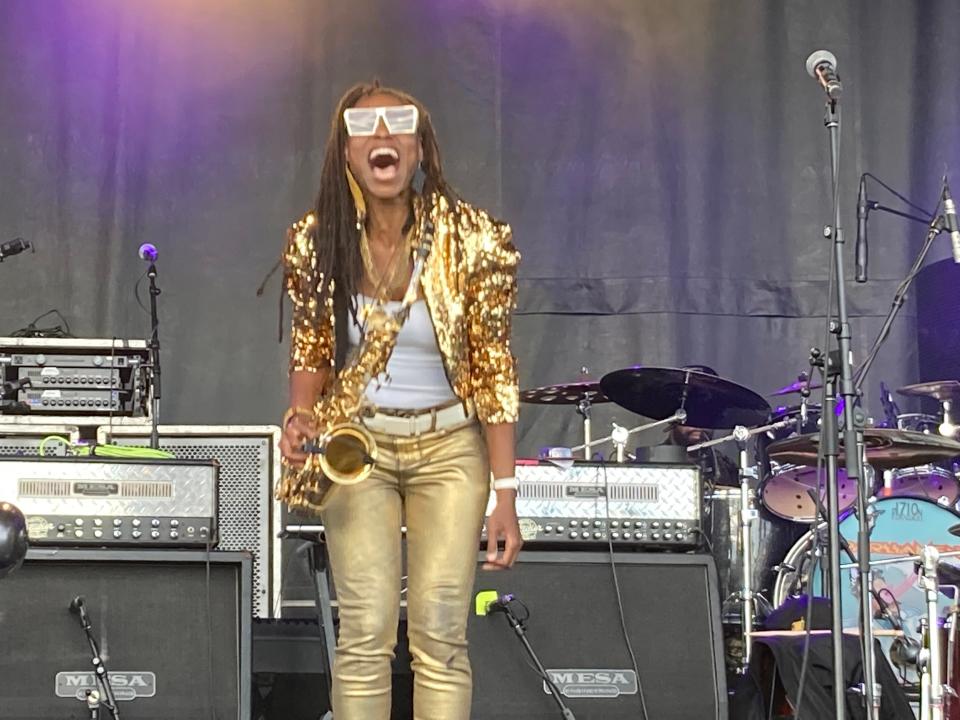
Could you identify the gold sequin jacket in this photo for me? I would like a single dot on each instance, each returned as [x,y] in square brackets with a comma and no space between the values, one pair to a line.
[469,284]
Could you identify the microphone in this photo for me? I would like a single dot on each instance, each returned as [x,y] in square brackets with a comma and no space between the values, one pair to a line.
[822,67]
[76,605]
[500,604]
[14,247]
[148,252]
[863,211]
[950,220]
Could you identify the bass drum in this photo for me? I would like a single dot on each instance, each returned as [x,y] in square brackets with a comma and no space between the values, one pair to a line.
[903,527]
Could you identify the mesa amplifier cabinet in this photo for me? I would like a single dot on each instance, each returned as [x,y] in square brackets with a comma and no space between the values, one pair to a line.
[249,460]
[173,628]
[111,502]
[646,505]
[672,617]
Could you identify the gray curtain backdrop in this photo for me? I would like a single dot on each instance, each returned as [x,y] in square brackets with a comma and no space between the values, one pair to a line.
[664,166]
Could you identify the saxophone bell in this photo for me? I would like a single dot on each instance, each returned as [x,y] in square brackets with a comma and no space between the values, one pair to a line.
[347,453]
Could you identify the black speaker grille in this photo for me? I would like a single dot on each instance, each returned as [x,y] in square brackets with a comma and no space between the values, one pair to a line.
[245,501]
[149,616]
[672,617]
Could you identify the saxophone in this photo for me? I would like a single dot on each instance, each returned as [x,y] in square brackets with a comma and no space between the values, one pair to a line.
[344,452]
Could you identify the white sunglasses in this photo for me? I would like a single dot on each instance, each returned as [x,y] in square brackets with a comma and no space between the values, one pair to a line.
[398,119]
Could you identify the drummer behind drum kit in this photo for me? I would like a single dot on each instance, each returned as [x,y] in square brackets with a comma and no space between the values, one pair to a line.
[910,464]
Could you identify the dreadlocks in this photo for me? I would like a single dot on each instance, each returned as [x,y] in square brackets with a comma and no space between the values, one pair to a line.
[337,238]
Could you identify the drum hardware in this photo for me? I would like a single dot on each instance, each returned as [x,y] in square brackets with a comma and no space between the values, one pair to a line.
[620,434]
[584,395]
[747,519]
[947,392]
[931,655]
[803,385]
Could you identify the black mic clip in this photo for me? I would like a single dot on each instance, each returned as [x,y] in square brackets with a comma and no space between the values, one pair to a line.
[15,247]
[77,606]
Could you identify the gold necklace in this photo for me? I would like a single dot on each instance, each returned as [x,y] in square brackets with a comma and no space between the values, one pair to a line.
[387,283]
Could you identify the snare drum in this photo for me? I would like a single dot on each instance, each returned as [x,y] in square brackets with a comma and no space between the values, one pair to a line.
[903,526]
[928,482]
[919,422]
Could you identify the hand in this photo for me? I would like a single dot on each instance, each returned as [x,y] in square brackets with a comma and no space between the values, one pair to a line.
[297,431]
[502,524]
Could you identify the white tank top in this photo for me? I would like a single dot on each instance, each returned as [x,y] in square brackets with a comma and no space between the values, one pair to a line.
[415,377]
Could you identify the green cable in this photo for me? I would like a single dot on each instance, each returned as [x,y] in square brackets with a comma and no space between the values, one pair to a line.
[110,451]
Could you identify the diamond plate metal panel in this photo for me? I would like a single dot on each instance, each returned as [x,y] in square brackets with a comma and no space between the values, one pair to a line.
[193,487]
[634,491]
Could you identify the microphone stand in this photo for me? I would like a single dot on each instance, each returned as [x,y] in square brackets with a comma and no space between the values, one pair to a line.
[154,356]
[935,227]
[518,627]
[865,513]
[830,447]
[106,696]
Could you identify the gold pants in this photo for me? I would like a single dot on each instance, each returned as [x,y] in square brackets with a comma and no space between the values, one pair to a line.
[438,484]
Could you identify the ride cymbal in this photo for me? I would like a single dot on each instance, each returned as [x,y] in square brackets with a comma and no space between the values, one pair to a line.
[938,389]
[886,448]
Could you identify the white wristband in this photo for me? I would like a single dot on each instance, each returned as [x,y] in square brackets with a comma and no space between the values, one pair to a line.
[507,483]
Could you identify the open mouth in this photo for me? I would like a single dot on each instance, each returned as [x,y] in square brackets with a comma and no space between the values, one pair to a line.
[384,162]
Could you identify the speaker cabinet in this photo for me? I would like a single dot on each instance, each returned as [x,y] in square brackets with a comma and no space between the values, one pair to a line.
[173,629]
[672,617]
[249,458]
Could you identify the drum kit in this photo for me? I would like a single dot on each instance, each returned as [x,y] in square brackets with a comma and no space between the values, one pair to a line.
[767,530]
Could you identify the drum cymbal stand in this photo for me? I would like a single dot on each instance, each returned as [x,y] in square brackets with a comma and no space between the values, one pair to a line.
[748,518]
[931,655]
[620,434]
[583,410]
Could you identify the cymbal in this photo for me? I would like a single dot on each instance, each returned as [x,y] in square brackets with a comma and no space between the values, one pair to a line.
[938,389]
[710,401]
[565,394]
[796,387]
[887,448]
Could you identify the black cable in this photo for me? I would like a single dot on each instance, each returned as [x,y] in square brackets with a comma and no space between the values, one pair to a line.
[31,330]
[895,193]
[616,588]
[805,661]
[896,605]
[773,691]
[899,297]
[210,684]
[136,291]
[284,571]
[815,541]
[706,538]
